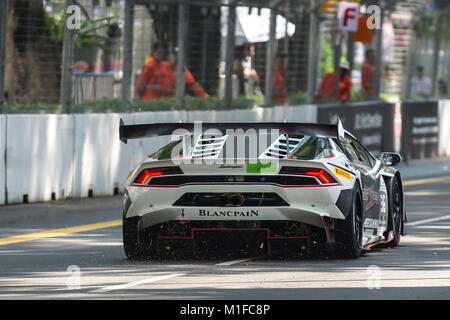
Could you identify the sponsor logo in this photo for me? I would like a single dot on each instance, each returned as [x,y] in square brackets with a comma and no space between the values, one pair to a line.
[224,166]
[270,167]
[227,213]
[343,174]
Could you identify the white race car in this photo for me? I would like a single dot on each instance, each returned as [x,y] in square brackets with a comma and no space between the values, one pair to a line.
[285,186]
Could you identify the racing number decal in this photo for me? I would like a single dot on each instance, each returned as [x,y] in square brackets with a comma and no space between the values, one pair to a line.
[383,204]
[343,173]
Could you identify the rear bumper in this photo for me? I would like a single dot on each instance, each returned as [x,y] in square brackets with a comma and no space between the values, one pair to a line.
[305,204]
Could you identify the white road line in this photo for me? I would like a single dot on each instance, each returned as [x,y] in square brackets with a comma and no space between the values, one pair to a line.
[136,283]
[419,222]
[230,263]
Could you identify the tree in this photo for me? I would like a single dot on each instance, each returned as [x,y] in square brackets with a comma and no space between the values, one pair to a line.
[33,59]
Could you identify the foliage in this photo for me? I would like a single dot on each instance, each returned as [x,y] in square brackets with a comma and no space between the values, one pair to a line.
[426,27]
[113,105]
[327,56]
[87,35]
[298,97]
[30,107]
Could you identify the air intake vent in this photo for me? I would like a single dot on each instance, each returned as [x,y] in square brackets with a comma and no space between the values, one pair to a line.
[208,147]
[282,147]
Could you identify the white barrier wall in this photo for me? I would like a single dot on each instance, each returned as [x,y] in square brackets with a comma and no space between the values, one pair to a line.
[444,128]
[2,159]
[39,157]
[71,155]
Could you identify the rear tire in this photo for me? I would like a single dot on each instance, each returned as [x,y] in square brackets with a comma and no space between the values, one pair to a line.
[138,243]
[130,233]
[395,216]
[351,228]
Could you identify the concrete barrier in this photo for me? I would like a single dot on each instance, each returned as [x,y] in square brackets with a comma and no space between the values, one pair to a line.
[39,157]
[80,155]
[2,159]
[444,128]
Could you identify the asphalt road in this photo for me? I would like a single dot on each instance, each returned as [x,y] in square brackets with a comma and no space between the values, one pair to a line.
[88,262]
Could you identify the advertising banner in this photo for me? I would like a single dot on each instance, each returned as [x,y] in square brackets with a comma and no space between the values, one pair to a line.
[371,123]
[420,130]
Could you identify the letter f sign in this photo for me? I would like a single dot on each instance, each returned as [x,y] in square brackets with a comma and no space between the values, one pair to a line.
[348,16]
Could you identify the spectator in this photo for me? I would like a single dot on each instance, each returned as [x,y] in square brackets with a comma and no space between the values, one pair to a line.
[327,89]
[368,74]
[279,85]
[421,84]
[149,81]
[251,77]
[169,79]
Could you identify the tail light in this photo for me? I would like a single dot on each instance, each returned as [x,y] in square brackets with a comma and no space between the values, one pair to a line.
[146,174]
[323,176]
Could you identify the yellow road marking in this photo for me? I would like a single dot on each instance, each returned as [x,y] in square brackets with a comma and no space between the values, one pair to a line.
[59,232]
[115,223]
[424,181]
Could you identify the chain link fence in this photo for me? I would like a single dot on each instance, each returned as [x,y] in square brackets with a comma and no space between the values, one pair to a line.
[136,55]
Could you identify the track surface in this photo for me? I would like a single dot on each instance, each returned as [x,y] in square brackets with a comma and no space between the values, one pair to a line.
[47,266]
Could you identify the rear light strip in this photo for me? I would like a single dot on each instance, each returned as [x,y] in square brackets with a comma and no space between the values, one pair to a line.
[322,175]
[147,174]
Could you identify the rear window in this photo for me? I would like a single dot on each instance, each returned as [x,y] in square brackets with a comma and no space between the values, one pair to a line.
[313,148]
[165,153]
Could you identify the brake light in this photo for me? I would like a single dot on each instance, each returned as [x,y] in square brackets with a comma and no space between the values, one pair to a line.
[321,174]
[146,174]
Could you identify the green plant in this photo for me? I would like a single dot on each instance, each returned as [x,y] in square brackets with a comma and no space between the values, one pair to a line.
[104,105]
[87,35]
[197,103]
[298,97]
[163,104]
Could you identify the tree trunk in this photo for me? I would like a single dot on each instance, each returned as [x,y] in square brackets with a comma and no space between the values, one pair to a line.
[33,59]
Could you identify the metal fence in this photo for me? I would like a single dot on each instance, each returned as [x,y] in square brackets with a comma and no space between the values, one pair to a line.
[77,55]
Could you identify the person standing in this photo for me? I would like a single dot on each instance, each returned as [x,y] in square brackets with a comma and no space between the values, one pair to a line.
[169,78]
[368,74]
[421,84]
[149,81]
[251,77]
[327,89]
[279,85]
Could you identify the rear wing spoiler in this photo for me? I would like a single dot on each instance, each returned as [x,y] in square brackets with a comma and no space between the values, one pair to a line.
[137,131]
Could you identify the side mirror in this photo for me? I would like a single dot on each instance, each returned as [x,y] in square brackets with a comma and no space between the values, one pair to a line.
[391,158]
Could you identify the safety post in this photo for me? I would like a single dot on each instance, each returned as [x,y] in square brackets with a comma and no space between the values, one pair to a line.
[314,45]
[379,54]
[183,13]
[3,26]
[229,54]
[67,63]
[270,61]
[127,55]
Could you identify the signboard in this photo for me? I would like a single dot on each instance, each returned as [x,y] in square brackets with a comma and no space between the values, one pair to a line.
[420,130]
[363,34]
[372,124]
[348,16]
